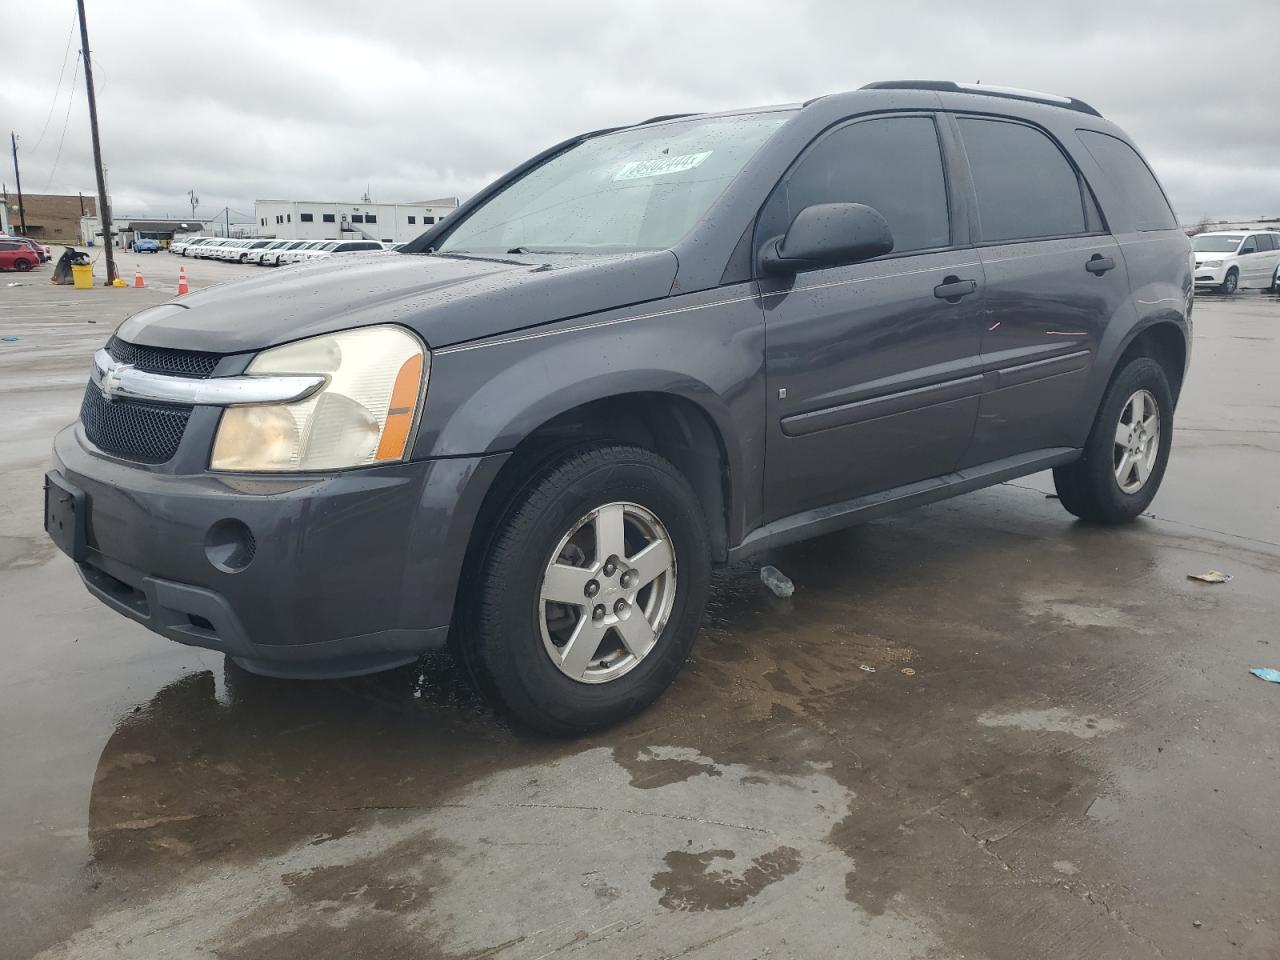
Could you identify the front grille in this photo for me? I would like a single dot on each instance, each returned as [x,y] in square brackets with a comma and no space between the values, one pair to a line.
[177,363]
[144,432]
[136,430]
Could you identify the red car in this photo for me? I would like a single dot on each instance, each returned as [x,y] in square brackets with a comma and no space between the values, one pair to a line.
[39,248]
[17,255]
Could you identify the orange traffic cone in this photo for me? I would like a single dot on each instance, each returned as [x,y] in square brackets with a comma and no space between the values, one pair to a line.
[182,280]
[138,282]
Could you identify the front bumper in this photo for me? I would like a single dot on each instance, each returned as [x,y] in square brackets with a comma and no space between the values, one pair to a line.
[350,572]
[1209,276]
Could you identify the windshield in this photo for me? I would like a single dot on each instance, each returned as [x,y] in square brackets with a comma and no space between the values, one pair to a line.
[638,189]
[1215,244]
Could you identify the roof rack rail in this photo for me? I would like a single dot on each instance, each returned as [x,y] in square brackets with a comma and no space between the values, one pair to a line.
[1009,93]
[665,116]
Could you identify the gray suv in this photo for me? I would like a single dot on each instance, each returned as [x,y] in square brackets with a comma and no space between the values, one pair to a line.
[650,349]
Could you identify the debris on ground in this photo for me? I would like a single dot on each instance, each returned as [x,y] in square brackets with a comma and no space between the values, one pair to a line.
[907,671]
[15,284]
[867,667]
[1266,673]
[774,579]
[1210,576]
[1197,924]
[9,339]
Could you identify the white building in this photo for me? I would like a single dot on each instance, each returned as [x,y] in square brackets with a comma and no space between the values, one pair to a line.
[315,220]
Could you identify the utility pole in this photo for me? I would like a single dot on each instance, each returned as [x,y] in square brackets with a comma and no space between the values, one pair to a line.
[104,211]
[228,211]
[22,211]
[195,202]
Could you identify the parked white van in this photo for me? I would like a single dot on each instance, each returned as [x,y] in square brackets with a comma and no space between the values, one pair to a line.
[1231,259]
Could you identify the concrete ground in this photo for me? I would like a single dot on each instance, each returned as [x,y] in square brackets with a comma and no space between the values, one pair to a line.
[978,730]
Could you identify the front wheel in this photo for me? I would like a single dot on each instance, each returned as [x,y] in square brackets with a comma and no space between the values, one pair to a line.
[22,266]
[590,591]
[1230,282]
[1127,451]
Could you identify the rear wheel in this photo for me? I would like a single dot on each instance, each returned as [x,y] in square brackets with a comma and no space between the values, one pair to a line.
[1230,282]
[590,591]
[1127,451]
[22,265]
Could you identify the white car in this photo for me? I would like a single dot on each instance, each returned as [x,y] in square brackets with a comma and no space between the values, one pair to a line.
[247,251]
[266,250]
[210,250]
[188,247]
[345,246]
[274,254]
[1232,259]
[179,246]
[298,254]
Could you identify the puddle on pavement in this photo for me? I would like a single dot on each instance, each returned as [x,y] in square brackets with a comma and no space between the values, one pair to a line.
[778,775]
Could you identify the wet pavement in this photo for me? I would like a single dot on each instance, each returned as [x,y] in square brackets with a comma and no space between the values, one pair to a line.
[977,730]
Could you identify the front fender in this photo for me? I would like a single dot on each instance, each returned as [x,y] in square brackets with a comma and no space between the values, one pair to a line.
[486,397]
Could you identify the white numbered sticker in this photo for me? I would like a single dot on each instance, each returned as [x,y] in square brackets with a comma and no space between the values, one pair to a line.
[658,166]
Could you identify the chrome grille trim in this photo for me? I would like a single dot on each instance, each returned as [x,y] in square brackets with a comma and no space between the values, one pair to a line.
[124,381]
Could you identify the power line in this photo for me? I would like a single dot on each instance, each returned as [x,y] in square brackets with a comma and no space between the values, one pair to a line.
[58,87]
[71,99]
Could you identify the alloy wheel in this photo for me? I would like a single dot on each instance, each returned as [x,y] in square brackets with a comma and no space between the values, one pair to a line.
[1137,441]
[606,593]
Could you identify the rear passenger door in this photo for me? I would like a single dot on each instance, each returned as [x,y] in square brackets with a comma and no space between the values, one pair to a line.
[1257,260]
[873,369]
[1055,280]
[1270,244]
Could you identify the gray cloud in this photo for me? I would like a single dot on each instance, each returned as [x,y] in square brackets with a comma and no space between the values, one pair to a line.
[301,100]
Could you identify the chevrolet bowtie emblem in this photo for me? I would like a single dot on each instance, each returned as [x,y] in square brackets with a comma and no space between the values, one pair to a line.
[111,379]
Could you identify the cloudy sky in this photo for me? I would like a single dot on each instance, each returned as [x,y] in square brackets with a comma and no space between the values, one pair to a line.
[318,99]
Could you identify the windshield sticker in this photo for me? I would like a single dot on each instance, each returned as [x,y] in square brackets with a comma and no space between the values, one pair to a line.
[658,166]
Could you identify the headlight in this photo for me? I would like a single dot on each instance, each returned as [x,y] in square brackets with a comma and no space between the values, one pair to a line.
[375,380]
[1211,263]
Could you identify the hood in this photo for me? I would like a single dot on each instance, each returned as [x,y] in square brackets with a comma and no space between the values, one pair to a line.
[447,300]
[1202,257]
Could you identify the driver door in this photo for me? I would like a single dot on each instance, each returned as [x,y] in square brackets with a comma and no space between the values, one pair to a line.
[874,368]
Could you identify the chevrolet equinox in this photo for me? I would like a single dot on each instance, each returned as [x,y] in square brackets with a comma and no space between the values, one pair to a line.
[532,431]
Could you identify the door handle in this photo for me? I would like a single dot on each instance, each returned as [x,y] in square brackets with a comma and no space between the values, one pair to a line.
[1098,264]
[951,289]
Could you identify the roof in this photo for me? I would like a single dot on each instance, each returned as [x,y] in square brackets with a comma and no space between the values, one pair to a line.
[161,225]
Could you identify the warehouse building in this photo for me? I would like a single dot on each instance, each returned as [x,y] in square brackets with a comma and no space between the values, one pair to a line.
[317,220]
[51,218]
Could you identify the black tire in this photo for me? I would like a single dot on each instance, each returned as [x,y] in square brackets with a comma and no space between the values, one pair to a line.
[1088,488]
[22,266]
[1230,283]
[500,638]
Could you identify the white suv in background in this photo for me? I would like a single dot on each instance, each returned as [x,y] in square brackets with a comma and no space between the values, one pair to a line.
[1231,259]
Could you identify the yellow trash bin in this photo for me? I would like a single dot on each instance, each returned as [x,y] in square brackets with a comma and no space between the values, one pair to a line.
[82,277]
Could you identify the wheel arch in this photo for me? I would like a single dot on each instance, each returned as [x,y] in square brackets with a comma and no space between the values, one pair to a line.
[1163,341]
[672,425]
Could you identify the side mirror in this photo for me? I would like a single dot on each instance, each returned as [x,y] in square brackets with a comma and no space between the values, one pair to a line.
[828,234]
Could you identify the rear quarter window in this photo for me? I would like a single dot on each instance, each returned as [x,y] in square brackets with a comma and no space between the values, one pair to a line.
[1026,189]
[1135,185]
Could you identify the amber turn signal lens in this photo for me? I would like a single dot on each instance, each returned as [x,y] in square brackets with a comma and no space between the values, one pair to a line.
[404,401]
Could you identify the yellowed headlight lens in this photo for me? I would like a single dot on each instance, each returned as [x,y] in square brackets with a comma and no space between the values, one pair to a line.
[256,438]
[364,413]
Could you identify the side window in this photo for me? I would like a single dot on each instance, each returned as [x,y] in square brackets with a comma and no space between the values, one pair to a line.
[1133,181]
[1025,187]
[1250,245]
[1266,242]
[892,163]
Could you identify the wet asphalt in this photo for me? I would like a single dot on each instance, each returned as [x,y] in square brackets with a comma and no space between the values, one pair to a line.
[977,730]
